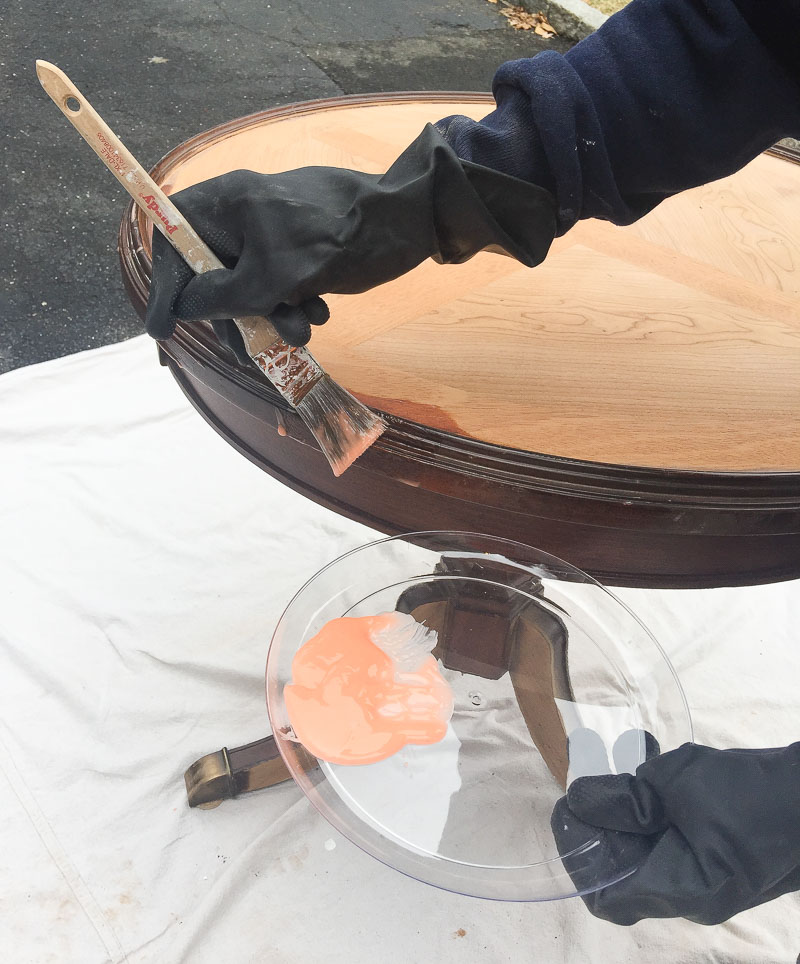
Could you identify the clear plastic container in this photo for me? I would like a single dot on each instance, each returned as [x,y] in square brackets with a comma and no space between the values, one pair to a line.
[553,678]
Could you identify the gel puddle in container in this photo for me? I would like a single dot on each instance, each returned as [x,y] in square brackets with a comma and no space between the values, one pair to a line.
[365,687]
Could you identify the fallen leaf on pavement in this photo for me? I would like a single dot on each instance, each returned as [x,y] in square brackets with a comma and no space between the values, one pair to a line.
[521,19]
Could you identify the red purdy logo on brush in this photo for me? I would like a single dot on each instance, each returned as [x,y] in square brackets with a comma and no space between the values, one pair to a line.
[150,201]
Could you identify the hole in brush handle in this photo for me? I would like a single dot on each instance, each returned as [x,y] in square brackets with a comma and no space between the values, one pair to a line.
[72,104]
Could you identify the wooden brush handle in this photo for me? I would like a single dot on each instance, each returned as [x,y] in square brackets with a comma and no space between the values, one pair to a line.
[258,333]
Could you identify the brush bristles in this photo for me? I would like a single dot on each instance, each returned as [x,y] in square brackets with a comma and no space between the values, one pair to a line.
[343,426]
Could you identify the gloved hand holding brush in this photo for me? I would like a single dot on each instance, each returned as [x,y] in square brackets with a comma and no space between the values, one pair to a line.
[289,238]
[667,94]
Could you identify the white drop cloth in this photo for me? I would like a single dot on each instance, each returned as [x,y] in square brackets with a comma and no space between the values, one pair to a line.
[143,564]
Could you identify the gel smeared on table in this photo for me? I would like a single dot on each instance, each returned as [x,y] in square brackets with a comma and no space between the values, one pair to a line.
[364,687]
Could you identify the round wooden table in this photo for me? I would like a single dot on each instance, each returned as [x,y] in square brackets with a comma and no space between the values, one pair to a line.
[630,405]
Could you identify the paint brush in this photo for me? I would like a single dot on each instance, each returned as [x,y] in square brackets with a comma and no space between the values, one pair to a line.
[343,426]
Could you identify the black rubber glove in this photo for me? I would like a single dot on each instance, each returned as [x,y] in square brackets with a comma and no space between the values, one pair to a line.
[717,832]
[288,238]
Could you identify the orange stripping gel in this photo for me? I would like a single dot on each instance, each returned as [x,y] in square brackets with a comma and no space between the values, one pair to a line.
[364,687]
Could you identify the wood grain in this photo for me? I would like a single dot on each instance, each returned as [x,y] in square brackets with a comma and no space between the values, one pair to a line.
[673,343]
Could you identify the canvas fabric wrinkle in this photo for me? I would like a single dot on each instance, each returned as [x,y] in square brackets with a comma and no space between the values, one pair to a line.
[143,566]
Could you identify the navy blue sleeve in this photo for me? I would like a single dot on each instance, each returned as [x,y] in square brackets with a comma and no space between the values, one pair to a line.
[667,94]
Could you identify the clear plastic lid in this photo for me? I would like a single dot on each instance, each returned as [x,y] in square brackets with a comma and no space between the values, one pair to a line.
[539,657]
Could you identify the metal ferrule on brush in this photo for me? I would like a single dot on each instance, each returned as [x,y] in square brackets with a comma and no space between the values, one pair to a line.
[293,371]
[343,427]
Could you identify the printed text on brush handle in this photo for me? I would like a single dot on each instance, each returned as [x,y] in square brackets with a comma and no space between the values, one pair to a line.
[260,334]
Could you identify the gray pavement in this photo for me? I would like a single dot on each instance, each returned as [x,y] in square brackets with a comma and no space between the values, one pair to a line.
[160,72]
